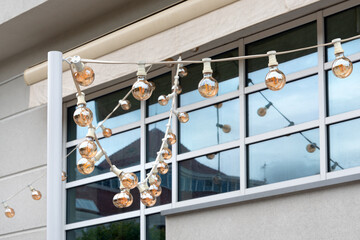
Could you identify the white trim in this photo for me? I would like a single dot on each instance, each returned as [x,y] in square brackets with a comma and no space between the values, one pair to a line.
[342,117]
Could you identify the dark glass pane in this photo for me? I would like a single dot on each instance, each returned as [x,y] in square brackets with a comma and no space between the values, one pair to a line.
[226,73]
[165,196]
[208,175]
[101,107]
[128,229]
[343,93]
[283,158]
[299,37]
[343,145]
[297,101]
[343,25]
[209,126]
[95,200]
[163,87]
[123,150]
[155,227]
[154,136]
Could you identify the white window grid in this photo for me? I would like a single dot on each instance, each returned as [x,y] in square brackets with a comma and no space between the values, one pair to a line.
[321,123]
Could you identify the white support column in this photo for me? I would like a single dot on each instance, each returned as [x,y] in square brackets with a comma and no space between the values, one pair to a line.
[54,221]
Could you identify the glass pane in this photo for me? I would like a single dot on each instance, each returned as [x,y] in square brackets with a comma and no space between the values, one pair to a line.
[303,36]
[123,150]
[163,87]
[210,126]
[283,158]
[226,73]
[208,175]
[297,101]
[165,196]
[154,136]
[343,25]
[128,229]
[95,200]
[101,107]
[343,143]
[155,227]
[343,94]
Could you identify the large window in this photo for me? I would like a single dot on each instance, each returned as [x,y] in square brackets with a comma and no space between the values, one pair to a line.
[246,139]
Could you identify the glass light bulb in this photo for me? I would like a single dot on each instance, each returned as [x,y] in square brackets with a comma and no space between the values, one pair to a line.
[171,138]
[36,194]
[217,179]
[183,72]
[163,167]
[178,89]
[107,132]
[166,153]
[88,148]
[147,198]
[9,212]
[123,199]
[210,156]
[162,100]
[342,66]
[169,65]
[153,86]
[183,117]
[208,87]
[129,180]
[85,77]
[63,176]
[261,111]
[311,147]
[83,116]
[85,166]
[226,128]
[155,190]
[218,106]
[275,79]
[142,89]
[125,105]
[155,179]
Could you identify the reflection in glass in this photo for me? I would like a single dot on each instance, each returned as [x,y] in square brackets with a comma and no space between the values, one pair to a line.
[154,136]
[297,101]
[208,175]
[128,229]
[226,73]
[299,37]
[344,140]
[163,86]
[343,94]
[165,196]
[210,126]
[101,107]
[95,200]
[123,150]
[343,25]
[155,227]
[283,158]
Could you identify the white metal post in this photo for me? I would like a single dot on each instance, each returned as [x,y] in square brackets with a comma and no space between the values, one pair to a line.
[54,222]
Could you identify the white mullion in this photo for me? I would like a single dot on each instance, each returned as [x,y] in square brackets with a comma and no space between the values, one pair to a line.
[142,169]
[342,117]
[322,97]
[242,100]
[175,149]
[64,165]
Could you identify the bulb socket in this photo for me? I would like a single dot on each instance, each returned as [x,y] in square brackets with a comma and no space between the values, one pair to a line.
[141,69]
[98,155]
[337,46]
[142,187]
[116,171]
[272,59]
[80,99]
[79,66]
[207,65]
[91,132]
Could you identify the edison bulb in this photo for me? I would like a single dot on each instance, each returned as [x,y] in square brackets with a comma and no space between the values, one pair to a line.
[183,117]
[85,166]
[155,190]
[163,167]
[152,85]
[155,179]
[178,89]
[123,199]
[36,194]
[210,156]
[142,89]
[342,66]
[107,132]
[217,179]
[261,111]
[125,105]
[183,72]
[88,148]
[147,198]
[275,79]
[208,87]
[9,212]
[171,138]
[166,153]
[63,176]
[226,128]
[129,180]
[83,116]
[163,100]
[311,147]
[85,77]
[169,65]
